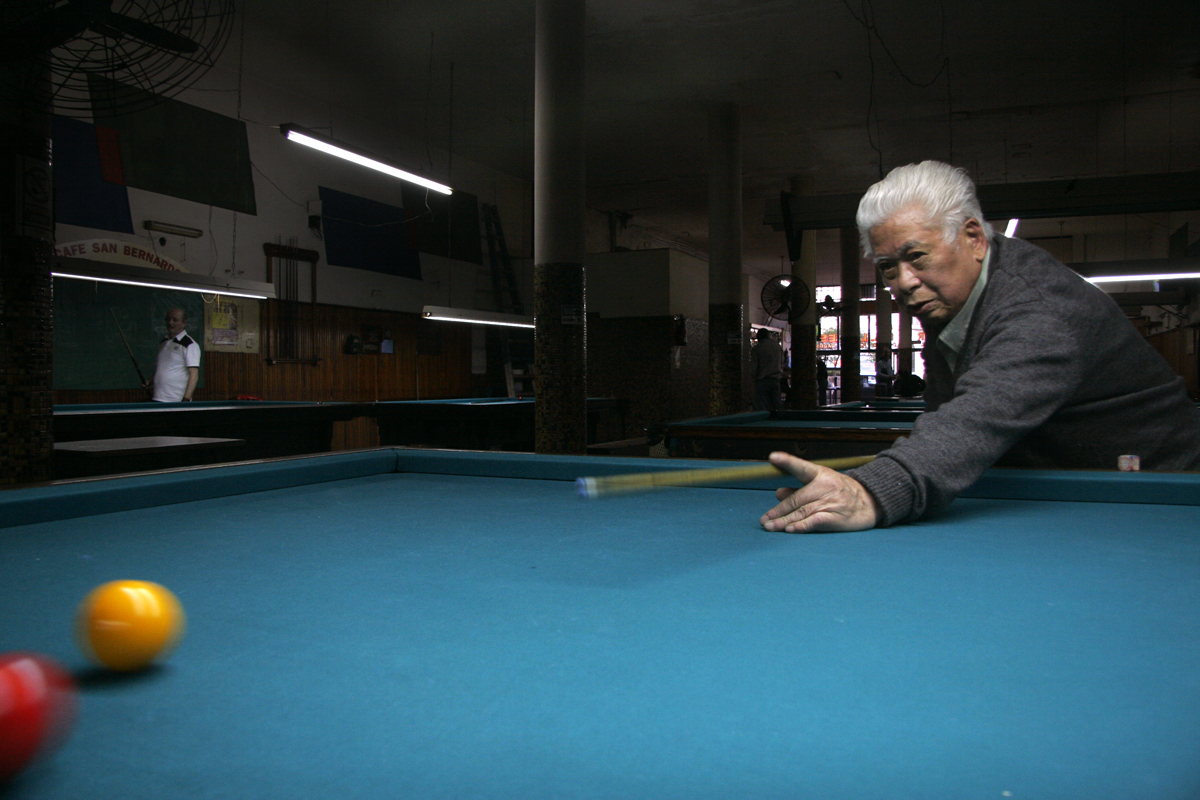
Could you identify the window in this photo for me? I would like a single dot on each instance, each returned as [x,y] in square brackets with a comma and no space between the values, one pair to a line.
[829,325]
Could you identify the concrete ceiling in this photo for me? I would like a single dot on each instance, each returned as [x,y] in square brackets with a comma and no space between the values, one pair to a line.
[832,93]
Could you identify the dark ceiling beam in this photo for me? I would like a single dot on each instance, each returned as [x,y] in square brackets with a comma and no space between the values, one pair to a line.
[1078,197]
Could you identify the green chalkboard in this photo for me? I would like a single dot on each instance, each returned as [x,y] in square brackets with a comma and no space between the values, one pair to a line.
[88,351]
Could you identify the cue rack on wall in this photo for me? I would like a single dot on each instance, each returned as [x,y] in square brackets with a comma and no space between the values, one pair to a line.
[290,327]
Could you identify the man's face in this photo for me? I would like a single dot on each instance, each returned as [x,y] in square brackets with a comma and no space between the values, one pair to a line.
[174,322]
[929,277]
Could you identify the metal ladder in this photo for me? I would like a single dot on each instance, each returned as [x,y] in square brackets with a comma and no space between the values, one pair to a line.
[517,352]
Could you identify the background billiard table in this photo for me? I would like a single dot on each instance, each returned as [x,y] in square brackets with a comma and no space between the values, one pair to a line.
[829,432]
[398,623]
[482,423]
[261,429]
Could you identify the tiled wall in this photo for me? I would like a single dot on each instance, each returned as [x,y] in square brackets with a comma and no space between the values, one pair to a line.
[636,358]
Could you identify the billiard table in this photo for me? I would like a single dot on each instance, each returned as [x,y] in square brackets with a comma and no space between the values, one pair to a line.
[828,432]
[481,423]
[414,623]
[267,429]
[912,403]
[845,429]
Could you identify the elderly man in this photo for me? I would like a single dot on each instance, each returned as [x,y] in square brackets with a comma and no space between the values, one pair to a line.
[1032,366]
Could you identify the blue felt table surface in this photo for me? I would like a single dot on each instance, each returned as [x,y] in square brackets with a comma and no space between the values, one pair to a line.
[420,635]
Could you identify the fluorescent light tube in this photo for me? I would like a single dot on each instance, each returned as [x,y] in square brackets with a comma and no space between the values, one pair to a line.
[1152,269]
[1154,276]
[106,272]
[476,317]
[325,145]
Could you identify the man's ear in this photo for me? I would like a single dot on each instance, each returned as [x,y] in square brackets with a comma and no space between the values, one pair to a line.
[976,238]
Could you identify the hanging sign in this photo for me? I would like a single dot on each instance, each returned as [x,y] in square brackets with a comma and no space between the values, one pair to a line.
[115,251]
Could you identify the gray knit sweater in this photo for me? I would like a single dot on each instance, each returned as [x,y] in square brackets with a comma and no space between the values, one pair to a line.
[1051,375]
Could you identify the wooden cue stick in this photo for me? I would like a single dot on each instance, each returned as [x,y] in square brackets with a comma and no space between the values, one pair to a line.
[592,488]
[128,349]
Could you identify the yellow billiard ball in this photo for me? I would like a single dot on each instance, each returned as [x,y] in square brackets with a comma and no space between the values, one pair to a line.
[126,625]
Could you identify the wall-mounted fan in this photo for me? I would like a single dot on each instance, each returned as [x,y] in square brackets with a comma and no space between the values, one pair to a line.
[785,297]
[161,47]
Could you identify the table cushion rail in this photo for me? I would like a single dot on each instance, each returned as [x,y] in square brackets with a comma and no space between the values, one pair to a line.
[85,497]
[69,499]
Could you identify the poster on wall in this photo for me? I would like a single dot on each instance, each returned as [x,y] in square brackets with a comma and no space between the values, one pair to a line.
[231,325]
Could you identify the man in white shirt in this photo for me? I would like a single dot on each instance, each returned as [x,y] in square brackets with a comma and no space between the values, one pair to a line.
[178,366]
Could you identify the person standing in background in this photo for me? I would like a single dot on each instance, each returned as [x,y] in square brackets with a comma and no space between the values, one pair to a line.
[766,366]
[822,382]
[178,367]
[884,376]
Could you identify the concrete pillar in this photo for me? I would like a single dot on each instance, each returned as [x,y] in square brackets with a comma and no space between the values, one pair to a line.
[26,304]
[904,355]
[560,350]
[728,345]
[851,271]
[883,328]
[803,390]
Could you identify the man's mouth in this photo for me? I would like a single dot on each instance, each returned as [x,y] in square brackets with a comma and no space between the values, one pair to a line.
[916,308]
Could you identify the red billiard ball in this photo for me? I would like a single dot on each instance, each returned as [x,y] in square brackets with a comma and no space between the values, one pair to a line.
[37,710]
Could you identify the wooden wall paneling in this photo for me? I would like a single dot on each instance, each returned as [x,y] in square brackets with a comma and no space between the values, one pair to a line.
[446,370]
[1174,347]
[443,371]
[228,375]
[356,433]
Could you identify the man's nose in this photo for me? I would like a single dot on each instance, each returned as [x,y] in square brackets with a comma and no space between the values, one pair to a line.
[907,279]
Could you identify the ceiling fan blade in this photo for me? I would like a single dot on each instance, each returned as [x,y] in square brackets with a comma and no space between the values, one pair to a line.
[150,34]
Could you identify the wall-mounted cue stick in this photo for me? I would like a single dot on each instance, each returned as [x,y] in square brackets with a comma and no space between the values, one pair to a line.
[128,349]
[591,488]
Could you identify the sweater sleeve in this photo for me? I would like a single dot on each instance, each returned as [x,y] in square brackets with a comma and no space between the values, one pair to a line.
[1018,376]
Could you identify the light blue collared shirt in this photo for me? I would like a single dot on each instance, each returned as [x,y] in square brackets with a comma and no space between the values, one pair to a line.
[952,338]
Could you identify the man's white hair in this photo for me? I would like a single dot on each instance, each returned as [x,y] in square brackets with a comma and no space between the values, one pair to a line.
[946,194]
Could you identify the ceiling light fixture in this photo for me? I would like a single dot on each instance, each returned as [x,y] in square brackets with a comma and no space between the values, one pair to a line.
[478,317]
[128,275]
[326,145]
[1162,269]
[1154,276]
[175,230]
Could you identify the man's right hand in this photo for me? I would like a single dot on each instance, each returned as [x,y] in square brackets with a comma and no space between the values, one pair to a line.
[827,500]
